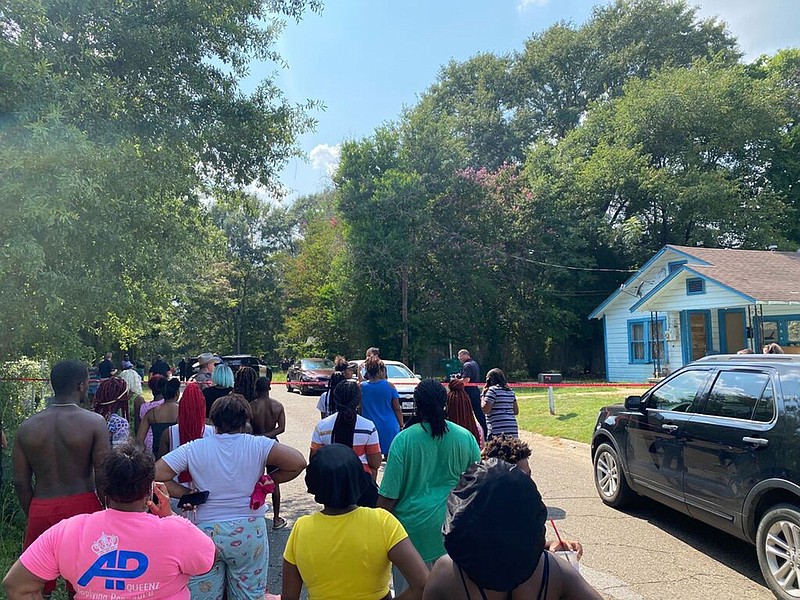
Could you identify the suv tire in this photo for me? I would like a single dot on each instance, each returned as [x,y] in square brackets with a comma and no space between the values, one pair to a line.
[778,546]
[609,479]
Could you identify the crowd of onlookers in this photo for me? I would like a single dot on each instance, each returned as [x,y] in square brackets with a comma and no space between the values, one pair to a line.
[166,497]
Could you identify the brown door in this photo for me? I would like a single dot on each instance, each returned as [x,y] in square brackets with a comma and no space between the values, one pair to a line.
[734,331]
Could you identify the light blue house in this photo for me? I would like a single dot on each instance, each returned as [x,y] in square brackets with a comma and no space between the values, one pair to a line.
[685,303]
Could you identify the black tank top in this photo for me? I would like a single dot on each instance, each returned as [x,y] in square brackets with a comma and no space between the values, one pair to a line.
[542,595]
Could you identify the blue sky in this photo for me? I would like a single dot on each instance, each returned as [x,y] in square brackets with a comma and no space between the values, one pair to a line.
[367,59]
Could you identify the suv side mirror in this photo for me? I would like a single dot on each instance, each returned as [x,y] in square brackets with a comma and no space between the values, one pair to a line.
[635,403]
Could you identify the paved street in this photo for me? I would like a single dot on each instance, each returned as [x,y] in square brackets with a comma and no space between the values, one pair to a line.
[650,553]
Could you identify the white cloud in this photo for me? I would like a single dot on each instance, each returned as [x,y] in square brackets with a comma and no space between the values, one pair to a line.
[524,5]
[325,157]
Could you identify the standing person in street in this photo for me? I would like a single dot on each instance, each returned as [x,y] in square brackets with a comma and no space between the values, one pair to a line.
[499,402]
[161,418]
[106,367]
[61,449]
[111,401]
[426,461]
[471,373]
[205,362]
[269,419]
[160,367]
[380,403]
[183,369]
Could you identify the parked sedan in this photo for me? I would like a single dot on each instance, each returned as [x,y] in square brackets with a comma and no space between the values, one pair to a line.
[309,374]
[402,378]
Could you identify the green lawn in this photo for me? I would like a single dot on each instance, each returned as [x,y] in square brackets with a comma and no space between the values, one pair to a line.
[576,409]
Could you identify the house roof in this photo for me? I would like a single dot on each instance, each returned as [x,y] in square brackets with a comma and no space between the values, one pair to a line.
[763,275]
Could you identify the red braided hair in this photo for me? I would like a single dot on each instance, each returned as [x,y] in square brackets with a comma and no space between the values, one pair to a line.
[191,419]
[459,408]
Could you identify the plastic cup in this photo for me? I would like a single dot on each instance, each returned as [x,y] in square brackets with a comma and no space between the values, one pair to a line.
[571,557]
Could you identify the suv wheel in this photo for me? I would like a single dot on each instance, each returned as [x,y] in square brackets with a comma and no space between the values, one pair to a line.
[609,479]
[778,545]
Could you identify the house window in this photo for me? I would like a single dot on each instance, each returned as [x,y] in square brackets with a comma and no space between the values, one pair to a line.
[646,342]
[695,286]
[783,330]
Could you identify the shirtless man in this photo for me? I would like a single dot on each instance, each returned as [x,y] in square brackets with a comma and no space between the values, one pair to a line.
[269,419]
[61,447]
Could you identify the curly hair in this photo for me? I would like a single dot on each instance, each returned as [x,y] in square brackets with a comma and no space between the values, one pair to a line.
[128,473]
[230,413]
[508,448]
[373,365]
[157,383]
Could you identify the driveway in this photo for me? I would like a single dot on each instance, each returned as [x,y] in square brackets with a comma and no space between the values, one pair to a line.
[648,553]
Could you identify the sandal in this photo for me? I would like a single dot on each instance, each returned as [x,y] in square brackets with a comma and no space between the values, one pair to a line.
[279,523]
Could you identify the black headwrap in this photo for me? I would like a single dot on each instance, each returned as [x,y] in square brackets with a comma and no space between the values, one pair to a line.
[495,506]
[335,476]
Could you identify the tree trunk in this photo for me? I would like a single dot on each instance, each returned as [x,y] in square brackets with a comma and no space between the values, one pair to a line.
[404,311]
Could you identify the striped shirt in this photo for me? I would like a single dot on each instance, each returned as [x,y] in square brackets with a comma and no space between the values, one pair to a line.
[501,419]
[365,437]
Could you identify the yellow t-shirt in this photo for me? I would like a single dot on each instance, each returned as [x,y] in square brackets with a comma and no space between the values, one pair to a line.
[345,556]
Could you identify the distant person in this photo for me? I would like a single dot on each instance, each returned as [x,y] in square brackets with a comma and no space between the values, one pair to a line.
[135,397]
[183,369]
[59,449]
[111,401]
[269,419]
[143,551]
[106,366]
[346,551]
[471,374]
[459,409]
[345,426]
[425,462]
[228,465]
[157,385]
[126,363]
[160,367]
[380,403]
[496,506]
[161,418]
[772,348]
[205,363]
[499,403]
[342,365]
[222,380]
[326,405]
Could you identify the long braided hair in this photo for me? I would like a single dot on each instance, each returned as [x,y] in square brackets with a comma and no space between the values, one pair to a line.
[347,397]
[191,420]
[459,407]
[112,396]
[330,404]
[430,399]
[244,383]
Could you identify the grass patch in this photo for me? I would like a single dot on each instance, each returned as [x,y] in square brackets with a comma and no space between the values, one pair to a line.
[576,409]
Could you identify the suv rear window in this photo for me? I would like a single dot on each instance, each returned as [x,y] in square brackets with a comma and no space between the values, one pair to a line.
[741,395]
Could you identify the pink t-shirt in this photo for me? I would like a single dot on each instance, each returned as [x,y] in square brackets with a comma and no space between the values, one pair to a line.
[115,555]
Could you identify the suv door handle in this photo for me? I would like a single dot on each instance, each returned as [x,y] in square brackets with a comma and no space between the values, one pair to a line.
[670,428]
[755,441]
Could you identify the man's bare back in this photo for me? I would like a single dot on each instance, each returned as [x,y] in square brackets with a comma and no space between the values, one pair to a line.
[59,448]
[269,418]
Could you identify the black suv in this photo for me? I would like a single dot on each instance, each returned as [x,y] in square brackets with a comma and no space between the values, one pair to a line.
[718,440]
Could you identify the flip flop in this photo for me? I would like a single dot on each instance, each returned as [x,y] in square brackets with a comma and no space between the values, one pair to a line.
[280,524]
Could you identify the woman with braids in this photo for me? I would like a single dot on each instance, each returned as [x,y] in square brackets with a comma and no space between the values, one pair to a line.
[161,417]
[345,426]
[228,465]
[110,400]
[380,403]
[161,551]
[345,551]
[326,406]
[459,409]
[191,424]
[244,383]
[499,403]
[425,463]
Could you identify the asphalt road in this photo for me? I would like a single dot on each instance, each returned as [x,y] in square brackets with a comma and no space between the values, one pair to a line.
[647,553]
